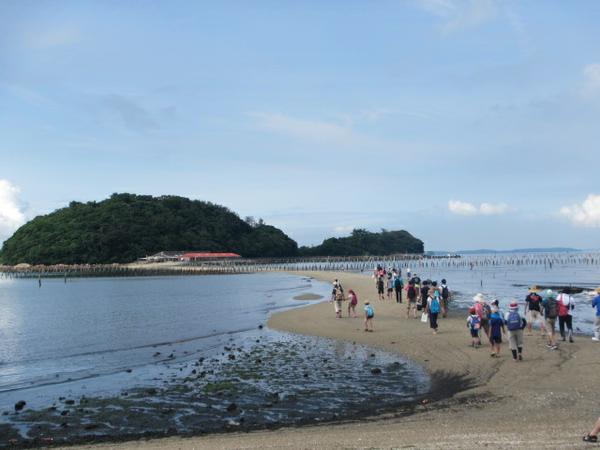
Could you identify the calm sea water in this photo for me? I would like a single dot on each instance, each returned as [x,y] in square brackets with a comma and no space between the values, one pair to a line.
[102,336]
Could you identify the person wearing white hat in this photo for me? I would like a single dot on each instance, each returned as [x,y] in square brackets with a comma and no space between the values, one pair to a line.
[515,325]
[596,304]
[483,310]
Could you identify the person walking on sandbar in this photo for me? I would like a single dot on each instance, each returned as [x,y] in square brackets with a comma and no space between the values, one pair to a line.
[550,314]
[515,325]
[565,306]
[596,304]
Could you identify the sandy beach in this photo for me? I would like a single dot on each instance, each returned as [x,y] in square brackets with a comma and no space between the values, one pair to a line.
[549,400]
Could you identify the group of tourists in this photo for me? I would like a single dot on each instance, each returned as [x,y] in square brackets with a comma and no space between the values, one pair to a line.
[543,308]
[427,297]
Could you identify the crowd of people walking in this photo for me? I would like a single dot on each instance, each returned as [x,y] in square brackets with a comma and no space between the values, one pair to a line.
[542,309]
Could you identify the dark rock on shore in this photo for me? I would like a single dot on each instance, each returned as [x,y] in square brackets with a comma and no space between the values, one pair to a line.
[376,371]
[232,407]
[20,405]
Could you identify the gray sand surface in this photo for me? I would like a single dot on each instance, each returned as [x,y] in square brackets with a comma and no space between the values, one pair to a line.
[550,400]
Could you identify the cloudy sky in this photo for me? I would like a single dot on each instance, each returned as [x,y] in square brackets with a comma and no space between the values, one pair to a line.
[470,123]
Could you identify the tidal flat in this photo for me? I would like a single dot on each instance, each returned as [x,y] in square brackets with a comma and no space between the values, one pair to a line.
[267,380]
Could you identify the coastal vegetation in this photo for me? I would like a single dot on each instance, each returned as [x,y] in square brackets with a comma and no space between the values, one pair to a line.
[363,243]
[125,227]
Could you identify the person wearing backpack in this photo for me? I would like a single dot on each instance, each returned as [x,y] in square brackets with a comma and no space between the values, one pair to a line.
[433,308]
[515,325]
[369,314]
[411,294]
[496,331]
[484,311]
[550,313]
[398,286]
[596,304]
[338,298]
[474,324]
[565,306]
[445,297]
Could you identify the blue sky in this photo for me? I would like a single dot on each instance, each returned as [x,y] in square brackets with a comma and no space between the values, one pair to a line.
[470,123]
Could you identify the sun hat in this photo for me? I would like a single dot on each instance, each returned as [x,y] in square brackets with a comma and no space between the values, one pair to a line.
[366,302]
[514,305]
[597,290]
[550,293]
[533,288]
[479,298]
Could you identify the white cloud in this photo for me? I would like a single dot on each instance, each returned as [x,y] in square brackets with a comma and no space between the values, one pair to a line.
[469,209]
[462,208]
[586,214]
[490,209]
[461,14]
[591,75]
[343,229]
[11,216]
[308,129]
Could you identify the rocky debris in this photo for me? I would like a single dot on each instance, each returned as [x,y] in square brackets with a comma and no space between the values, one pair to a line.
[69,402]
[260,327]
[20,405]
[376,371]
[151,391]
[232,407]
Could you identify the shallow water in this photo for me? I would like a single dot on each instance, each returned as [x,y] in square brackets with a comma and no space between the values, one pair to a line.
[176,352]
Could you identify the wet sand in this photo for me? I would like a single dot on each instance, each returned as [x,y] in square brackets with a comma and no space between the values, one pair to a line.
[547,401]
[308,296]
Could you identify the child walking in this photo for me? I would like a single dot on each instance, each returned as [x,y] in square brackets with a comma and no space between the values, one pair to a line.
[474,324]
[352,302]
[496,331]
[369,314]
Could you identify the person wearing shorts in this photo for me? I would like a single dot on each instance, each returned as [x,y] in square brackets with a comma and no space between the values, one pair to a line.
[411,294]
[380,288]
[533,310]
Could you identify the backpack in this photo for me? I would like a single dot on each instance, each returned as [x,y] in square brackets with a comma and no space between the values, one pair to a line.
[369,310]
[486,311]
[445,293]
[475,323]
[412,293]
[513,322]
[434,307]
[398,283]
[563,310]
[551,308]
[339,296]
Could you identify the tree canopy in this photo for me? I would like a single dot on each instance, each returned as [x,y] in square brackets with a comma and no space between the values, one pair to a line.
[364,243]
[128,226]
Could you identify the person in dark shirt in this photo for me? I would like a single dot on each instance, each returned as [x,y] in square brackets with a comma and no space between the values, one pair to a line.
[533,309]
[496,330]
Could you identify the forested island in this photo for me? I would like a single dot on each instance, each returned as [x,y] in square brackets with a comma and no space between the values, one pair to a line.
[364,243]
[126,227]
